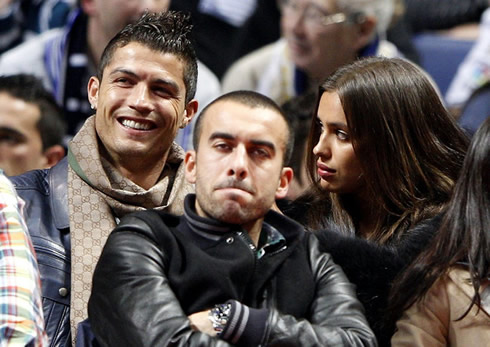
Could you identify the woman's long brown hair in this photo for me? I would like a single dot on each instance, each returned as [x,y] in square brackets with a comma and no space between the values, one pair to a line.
[409,147]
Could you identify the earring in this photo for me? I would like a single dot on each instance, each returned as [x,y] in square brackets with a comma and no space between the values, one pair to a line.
[92,106]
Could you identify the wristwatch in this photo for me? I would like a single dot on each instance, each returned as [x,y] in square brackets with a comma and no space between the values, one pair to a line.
[218,316]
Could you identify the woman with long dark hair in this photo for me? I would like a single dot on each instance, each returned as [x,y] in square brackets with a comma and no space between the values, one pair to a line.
[446,290]
[383,156]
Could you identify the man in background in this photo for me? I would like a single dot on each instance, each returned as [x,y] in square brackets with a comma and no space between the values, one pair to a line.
[319,36]
[31,126]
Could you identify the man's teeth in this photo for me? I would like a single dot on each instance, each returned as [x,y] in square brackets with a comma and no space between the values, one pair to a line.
[135,125]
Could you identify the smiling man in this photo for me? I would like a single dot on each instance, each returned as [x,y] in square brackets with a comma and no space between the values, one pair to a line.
[230,271]
[122,160]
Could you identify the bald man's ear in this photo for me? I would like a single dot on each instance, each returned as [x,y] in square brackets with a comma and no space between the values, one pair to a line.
[53,155]
[190,166]
[284,181]
[88,7]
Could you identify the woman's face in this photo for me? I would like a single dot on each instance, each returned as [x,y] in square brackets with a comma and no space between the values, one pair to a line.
[338,167]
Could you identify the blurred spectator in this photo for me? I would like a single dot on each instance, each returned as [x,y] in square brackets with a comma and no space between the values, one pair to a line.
[400,34]
[476,109]
[22,19]
[259,30]
[217,26]
[66,58]
[474,71]
[300,111]
[21,314]
[318,38]
[31,125]
[443,14]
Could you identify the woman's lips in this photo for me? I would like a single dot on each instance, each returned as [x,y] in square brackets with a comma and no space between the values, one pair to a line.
[324,171]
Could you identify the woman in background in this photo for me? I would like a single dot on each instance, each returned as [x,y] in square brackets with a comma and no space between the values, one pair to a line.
[383,156]
[446,290]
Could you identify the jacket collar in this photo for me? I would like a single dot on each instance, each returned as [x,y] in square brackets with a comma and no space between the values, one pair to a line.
[213,229]
[58,180]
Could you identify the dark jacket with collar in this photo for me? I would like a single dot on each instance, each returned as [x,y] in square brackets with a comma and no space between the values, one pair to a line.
[156,269]
[46,212]
[373,267]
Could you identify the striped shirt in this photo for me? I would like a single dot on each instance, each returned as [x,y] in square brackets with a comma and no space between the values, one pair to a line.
[21,319]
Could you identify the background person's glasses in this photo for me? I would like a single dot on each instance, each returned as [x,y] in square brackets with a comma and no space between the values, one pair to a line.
[314,15]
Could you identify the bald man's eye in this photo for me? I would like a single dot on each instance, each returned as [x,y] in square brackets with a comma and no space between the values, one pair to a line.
[261,152]
[222,146]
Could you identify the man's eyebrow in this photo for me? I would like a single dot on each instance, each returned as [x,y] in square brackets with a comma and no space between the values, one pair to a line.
[167,82]
[263,143]
[11,131]
[221,135]
[123,71]
[227,136]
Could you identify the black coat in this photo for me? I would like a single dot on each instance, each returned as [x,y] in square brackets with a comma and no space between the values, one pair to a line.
[154,271]
[373,267]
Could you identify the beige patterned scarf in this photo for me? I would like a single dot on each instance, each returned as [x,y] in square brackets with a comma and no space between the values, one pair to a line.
[98,195]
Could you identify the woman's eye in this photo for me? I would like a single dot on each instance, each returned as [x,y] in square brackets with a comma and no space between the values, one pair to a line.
[342,135]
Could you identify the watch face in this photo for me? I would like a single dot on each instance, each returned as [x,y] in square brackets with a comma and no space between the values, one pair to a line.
[218,316]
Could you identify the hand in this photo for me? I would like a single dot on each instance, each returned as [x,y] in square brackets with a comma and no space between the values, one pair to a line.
[200,322]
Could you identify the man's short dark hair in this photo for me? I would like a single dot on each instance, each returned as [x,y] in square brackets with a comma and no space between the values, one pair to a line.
[51,124]
[165,32]
[254,100]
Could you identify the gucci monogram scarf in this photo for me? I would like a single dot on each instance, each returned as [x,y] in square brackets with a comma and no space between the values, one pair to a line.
[98,196]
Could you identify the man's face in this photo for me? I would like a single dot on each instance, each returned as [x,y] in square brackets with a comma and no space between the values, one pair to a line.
[140,104]
[21,146]
[238,168]
[113,15]
[314,47]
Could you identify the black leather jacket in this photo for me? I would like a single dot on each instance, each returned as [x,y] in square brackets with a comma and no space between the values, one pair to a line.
[152,272]
[46,212]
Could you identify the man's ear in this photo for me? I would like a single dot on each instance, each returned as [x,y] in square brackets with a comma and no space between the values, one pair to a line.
[53,155]
[93,91]
[189,112]
[88,7]
[365,31]
[284,181]
[190,166]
